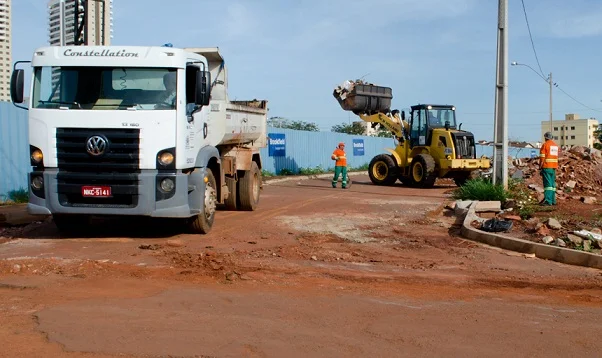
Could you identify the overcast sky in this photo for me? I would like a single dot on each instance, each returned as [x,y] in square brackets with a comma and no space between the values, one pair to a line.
[293,53]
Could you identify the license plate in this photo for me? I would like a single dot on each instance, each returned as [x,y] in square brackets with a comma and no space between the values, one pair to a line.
[96,191]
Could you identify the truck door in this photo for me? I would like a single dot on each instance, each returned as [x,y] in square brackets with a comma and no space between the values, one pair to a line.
[196,128]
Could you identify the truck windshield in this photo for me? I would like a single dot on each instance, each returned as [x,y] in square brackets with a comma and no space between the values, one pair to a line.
[438,116]
[102,88]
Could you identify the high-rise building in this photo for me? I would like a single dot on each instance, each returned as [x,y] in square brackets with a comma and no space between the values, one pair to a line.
[80,22]
[5,49]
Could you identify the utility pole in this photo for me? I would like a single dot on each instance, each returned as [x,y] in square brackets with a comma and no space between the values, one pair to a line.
[550,81]
[500,130]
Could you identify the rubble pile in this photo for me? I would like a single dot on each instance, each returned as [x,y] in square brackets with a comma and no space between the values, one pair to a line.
[579,174]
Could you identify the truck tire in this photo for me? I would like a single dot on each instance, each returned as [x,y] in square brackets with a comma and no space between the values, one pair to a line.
[71,224]
[383,170]
[249,186]
[423,172]
[230,202]
[202,222]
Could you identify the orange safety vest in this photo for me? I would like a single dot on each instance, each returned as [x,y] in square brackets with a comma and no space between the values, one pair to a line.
[342,161]
[548,155]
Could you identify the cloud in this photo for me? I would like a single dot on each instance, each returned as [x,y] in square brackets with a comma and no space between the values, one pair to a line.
[561,19]
[584,25]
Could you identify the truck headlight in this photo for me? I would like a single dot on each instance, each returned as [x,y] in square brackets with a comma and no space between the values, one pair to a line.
[165,158]
[167,185]
[36,156]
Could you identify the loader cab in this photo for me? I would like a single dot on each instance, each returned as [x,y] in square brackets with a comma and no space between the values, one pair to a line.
[424,118]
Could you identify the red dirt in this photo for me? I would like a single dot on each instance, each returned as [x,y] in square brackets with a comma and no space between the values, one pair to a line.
[314,272]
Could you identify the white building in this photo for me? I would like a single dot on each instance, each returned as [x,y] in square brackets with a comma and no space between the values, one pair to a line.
[5,49]
[573,131]
[94,18]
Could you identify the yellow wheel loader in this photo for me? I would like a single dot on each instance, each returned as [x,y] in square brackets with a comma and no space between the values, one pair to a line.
[429,143]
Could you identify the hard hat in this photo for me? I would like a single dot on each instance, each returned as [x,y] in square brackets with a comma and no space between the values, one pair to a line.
[341,143]
[548,135]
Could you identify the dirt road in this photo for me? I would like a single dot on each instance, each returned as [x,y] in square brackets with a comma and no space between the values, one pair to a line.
[316,271]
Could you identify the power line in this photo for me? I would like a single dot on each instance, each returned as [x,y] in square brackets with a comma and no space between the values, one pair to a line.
[574,99]
[531,37]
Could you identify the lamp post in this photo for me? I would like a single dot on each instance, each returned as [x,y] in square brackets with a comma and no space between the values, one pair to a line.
[548,80]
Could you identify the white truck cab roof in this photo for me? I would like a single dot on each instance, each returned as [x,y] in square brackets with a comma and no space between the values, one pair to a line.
[114,56]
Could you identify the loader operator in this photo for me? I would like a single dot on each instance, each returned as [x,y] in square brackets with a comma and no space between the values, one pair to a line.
[340,165]
[548,163]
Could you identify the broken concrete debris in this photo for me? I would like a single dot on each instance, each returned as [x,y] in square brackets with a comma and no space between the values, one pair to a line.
[579,174]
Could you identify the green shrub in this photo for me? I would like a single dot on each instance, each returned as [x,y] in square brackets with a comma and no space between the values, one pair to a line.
[285,171]
[266,174]
[312,171]
[482,190]
[360,168]
[19,196]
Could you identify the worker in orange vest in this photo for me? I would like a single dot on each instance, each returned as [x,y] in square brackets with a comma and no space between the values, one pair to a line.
[548,163]
[340,165]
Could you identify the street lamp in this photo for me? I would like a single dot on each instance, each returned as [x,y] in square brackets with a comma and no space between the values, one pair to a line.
[548,80]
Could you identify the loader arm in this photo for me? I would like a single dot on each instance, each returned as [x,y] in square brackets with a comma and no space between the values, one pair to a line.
[389,123]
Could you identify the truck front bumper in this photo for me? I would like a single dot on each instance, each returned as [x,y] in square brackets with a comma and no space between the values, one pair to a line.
[141,196]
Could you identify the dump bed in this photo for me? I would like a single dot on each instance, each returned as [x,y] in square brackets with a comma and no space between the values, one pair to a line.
[246,122]
[359,97]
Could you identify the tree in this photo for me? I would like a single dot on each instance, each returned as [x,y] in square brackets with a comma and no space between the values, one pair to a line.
[281,122]
[356,128]
[382,132]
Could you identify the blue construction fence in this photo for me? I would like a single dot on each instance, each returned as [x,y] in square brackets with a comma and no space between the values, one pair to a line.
[292,150]
[14,149]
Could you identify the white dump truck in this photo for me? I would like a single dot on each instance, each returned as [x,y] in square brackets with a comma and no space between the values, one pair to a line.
[144,131]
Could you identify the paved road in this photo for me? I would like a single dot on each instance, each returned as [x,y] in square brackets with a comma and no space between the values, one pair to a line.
[316,271]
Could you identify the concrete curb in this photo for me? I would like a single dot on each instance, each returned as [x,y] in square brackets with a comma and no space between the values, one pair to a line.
[307,177]
[542,251]
[14,215]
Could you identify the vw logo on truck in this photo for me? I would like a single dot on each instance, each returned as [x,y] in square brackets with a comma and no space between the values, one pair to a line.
[96,145]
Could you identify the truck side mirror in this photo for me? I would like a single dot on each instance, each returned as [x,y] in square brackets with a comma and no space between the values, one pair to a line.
[17,81]
[403,115]
[203,88]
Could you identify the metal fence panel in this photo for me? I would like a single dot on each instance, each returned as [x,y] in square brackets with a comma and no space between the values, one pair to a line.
[14,149]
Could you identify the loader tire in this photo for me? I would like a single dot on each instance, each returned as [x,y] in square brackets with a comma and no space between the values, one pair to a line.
[383,170]
[202,222]
[249,186]
[423,171]
[463,177]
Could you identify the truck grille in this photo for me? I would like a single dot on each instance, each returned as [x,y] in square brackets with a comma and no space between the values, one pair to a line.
[117,167]
[465,146]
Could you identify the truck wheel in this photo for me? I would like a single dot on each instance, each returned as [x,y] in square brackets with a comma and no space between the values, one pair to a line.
[71,224]
[202,222]
[383,170]
[230,202]
[249,185]
[423,172]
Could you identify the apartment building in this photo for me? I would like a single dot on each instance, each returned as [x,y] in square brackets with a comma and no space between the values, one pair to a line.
[5,49]
[94,22]
[572,131]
